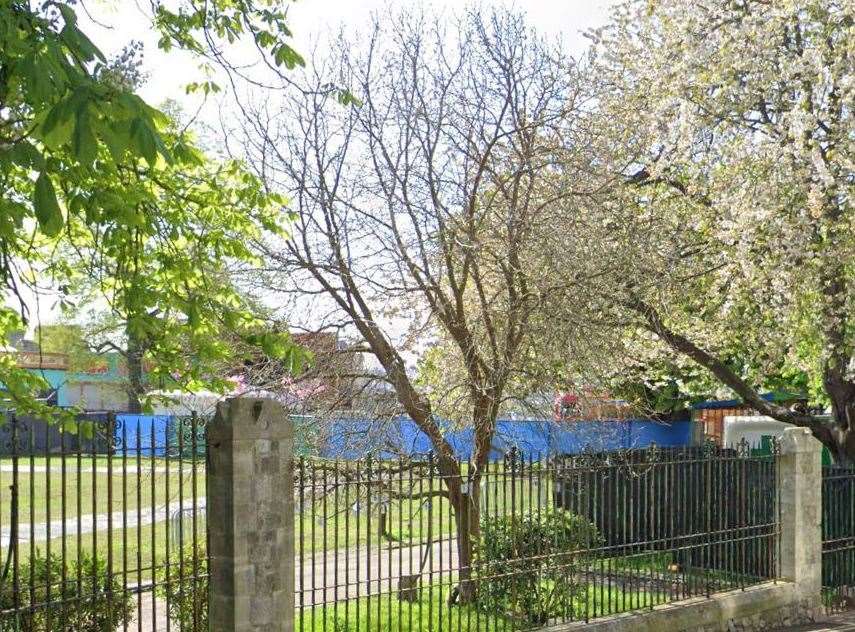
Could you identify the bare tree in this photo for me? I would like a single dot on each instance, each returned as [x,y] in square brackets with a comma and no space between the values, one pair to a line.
[415,209]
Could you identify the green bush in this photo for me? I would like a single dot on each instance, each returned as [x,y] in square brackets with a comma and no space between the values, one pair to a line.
[84,606]
[188,599]
[528,564]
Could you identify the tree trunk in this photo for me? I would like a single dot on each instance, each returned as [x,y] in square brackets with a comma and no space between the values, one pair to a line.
[835,323]
[838,436]
[136,386]
[465,503]
[842,443]
[841,392]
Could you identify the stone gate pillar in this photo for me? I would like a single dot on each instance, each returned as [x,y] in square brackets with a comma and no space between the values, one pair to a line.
[251,517]
[800,506]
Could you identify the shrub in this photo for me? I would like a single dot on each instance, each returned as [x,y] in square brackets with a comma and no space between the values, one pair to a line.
[188,599]
[84,606]
[528,564]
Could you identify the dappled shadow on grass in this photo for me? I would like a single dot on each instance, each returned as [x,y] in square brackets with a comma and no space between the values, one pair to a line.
[430,612]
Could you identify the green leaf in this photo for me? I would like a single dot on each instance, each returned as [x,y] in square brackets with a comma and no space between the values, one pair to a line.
[143,140]
[187,155]
[161,147]
[58,125]
[83,141]
[193,315]
[116,137]
[25,154]
[36,74]
[47,208]
[287,56]
[88,48]
[68,14]
[346,97]
[76,40]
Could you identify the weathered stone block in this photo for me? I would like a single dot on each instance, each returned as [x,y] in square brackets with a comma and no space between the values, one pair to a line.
[251,514]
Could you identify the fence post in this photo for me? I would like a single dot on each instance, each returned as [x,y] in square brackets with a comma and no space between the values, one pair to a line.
[251,517]
[800,514]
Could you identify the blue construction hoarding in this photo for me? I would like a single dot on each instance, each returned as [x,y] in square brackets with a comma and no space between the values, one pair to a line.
[350,438]
[158,435]
[354,438]
[150,435]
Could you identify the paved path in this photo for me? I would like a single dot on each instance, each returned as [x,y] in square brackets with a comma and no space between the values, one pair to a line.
[332,576]
[335,578]
[99,522]
[152,619]
[838,623]
[348,574]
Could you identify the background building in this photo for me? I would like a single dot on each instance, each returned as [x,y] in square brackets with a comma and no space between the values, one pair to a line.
[101,386]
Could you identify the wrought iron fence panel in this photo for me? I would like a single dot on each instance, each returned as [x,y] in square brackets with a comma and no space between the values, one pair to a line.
[383,544]
[87,542]
[838,538]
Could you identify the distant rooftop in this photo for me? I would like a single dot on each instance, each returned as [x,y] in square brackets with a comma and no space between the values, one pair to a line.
[774,396]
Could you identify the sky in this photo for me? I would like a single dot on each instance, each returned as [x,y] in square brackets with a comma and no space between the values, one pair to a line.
[112,24]
[115,23]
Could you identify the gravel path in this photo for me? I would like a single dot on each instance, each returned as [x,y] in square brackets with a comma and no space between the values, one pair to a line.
[349,574]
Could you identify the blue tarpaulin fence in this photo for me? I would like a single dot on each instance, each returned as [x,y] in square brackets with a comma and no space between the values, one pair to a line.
[347,438]
[150,435]
[159,435]
[354,438]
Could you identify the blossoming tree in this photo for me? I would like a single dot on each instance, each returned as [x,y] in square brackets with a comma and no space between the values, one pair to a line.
[726,138]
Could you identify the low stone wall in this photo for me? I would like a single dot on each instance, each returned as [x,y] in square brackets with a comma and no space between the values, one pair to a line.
[754,609]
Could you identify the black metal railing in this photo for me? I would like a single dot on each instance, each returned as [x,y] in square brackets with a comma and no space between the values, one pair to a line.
[838,538]
[408,545]
[102,524]
[103,528]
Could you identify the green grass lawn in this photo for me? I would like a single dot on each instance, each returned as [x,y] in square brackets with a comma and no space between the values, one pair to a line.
[331,516]
[54,495]
[386,613]
[134,552]
[600,601]
[352,517]
[97,460]
[341,516]
[660,565]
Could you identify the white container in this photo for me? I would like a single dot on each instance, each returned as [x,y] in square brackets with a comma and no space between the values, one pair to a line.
[752,428]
